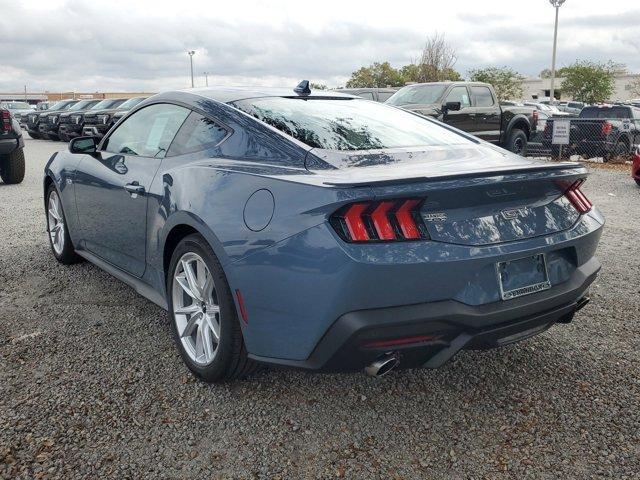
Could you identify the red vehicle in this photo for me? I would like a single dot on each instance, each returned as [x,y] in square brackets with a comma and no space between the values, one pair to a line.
[635,168]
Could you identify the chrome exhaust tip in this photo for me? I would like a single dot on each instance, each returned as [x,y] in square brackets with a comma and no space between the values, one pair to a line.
[382,365]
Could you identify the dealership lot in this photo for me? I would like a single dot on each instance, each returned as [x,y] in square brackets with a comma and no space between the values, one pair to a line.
[92,384]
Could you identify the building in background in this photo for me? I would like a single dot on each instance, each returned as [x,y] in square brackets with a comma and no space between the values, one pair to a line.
[540,88]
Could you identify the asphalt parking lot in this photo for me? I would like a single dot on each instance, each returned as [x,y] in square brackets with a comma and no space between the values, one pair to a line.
[93,387]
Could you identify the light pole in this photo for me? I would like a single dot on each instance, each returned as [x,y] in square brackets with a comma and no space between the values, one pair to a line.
[557,4]
[191,54]
[206,78]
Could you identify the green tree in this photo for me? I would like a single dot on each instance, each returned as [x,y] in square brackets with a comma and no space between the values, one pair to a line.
[376,75]
[317,86]
[589,82]
[421,73]
[506,82]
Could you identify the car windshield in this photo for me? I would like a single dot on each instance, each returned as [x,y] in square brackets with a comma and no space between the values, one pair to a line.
[339,124]
[82,105]
[605,112]
[18,106]
[129,104]
[58,105]
[108,103]
[417,94]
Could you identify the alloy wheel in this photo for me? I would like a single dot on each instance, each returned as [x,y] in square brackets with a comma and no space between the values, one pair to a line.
[196,310]
[518,146]
[56,223]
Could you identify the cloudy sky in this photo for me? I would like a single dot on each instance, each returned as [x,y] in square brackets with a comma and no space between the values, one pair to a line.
[116,45]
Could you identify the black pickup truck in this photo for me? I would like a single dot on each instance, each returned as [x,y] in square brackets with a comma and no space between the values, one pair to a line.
[472,107]
[11,149]
[606,131]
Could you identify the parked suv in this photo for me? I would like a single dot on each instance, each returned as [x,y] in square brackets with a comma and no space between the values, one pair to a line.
[98,121]
[70,123]
[17,110]
[35,119]
[11,149]
[472,107]
[605,131]
[572,107]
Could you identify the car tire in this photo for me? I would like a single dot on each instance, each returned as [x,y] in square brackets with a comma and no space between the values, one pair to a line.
[35,136]
[59,239]
[63,137]
[212,306]
[53,137]
[517,142]
[621,150]
[12,167]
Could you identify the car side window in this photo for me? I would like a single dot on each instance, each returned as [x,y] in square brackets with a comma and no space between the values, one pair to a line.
[148,132]
[196,134]
[383,96]
[483,96]
[366,95]
[459,94]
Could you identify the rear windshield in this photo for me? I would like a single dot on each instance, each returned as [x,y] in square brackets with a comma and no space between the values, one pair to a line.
[417,94]
[338,124]
[605,112]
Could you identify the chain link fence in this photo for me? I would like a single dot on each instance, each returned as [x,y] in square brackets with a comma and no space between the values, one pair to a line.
[596,139]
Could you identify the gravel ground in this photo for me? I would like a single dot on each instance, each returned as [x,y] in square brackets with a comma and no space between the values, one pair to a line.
[92,386]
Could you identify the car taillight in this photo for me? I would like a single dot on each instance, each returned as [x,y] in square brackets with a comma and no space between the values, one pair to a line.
[577,198]
[6,120]
[383,221]
[535,117]
[606,128]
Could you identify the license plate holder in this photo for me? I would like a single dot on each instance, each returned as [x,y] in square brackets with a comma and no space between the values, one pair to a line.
[523,276]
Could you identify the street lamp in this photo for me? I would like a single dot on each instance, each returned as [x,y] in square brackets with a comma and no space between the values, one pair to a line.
[191,54]
[206,78]
[557,4]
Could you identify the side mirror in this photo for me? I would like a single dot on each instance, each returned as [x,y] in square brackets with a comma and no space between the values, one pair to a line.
[83,145]
[452,106]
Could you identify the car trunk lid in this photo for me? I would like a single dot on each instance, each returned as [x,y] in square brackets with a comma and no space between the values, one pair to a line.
[469,196]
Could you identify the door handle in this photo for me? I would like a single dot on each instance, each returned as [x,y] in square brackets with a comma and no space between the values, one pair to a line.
[134,187]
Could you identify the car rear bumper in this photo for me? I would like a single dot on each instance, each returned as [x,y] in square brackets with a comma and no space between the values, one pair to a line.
[8,145]
[428,335]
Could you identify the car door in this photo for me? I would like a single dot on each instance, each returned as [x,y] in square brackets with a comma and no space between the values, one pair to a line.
[488,114]
[111,185]
[463,118]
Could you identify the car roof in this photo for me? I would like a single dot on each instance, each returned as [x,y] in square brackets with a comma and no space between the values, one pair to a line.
[233,94]
[365,89]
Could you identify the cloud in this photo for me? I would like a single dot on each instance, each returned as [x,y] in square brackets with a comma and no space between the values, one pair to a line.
[89,46]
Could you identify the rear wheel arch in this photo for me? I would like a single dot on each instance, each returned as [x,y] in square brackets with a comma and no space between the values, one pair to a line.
[175,235]
[180,225]
[519,123]
[624,138]
[48,181]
